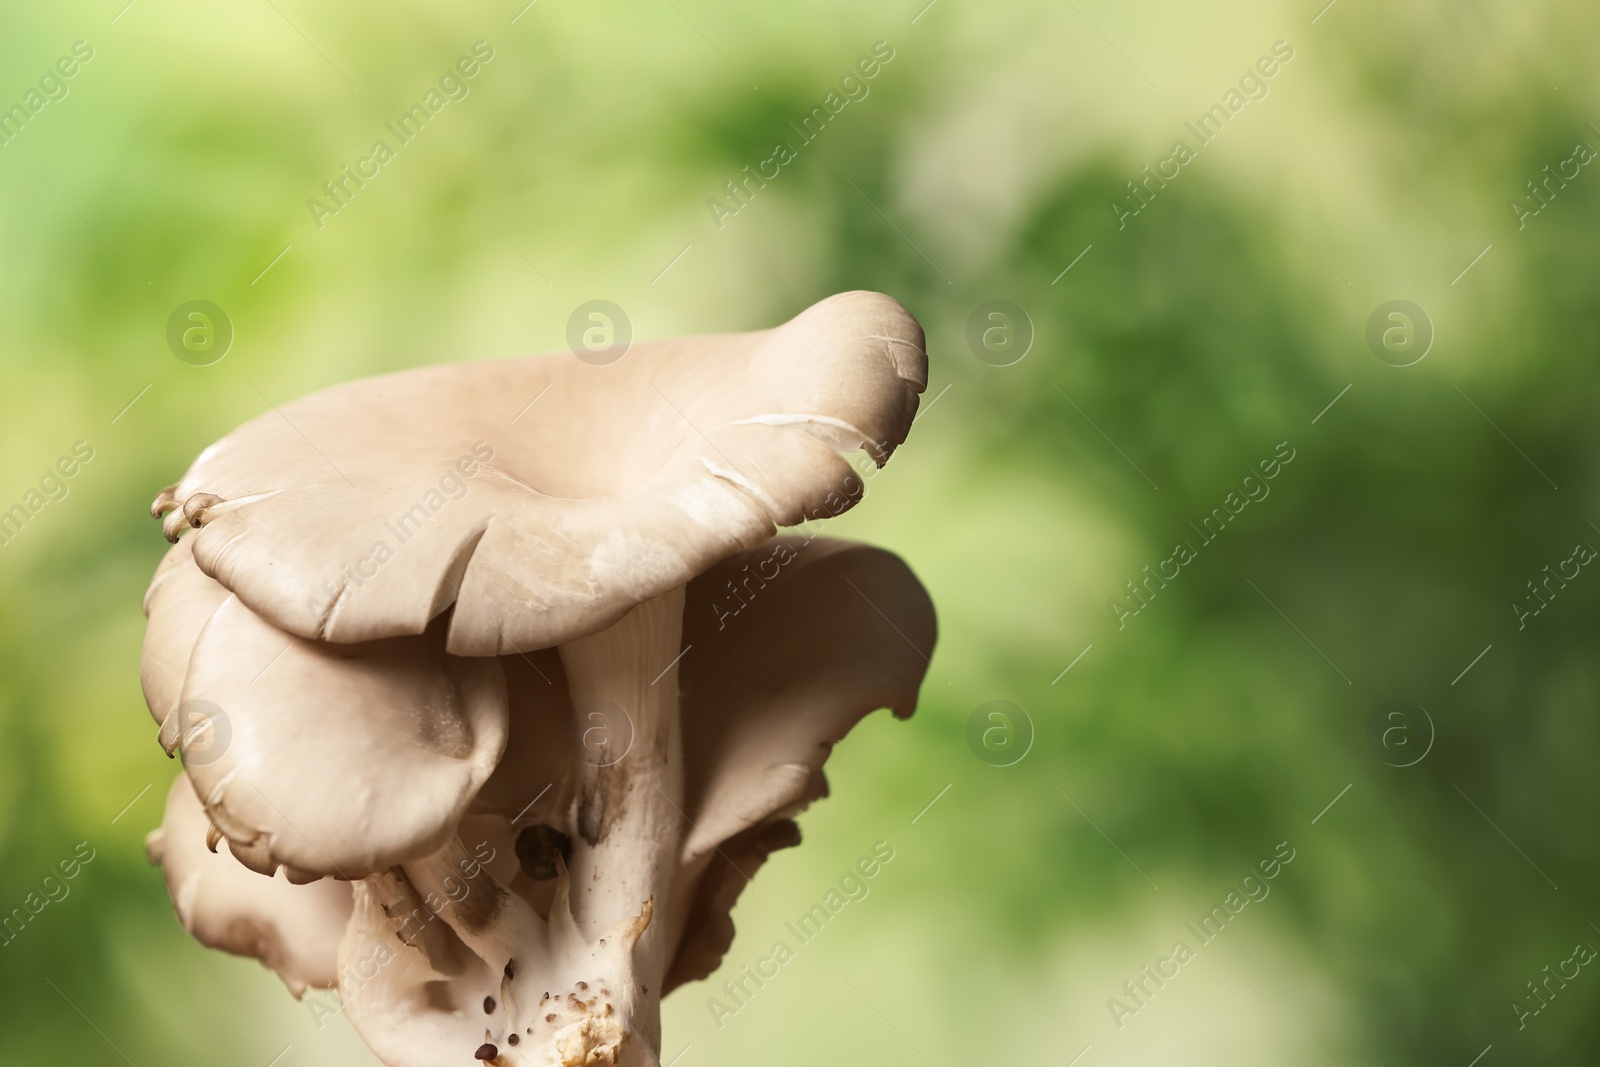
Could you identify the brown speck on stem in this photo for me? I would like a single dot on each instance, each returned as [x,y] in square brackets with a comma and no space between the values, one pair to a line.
[486,1051]
[488,1005]
[513,1040]
[583,985]
[511,970]
[549,1018]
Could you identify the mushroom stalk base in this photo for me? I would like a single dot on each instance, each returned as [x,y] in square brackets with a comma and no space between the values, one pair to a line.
[544,994]
[580,987]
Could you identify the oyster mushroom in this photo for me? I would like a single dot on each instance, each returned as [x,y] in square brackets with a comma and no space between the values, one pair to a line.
[293,929]
[546,690]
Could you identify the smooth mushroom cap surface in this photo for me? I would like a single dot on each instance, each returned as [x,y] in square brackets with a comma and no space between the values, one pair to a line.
[177,603]
[363,511]
[293,929]
[825,632]
[339,759]
[840,629]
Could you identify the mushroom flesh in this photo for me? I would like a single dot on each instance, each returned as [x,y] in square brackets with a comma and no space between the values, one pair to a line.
[497,711]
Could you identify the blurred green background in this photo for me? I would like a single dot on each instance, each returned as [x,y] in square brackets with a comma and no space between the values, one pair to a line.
[1184,345]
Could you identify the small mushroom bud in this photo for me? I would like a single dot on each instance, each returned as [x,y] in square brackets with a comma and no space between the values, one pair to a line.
[164,502]
[195,506]
[173,524]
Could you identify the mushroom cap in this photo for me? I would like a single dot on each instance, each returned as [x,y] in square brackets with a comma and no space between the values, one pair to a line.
[791,644]
[178,602]
[708,923]
[337,759]
[294,929]
[544,497]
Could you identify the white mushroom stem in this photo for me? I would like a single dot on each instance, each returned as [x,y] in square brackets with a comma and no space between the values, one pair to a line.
[628,820]
[584,985]
[556,996]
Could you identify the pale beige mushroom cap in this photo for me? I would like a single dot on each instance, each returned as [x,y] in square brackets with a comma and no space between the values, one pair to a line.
[178,602]
[294,929]
[329,759]
[338,759]
[840,630]
[828,632]
[363,511]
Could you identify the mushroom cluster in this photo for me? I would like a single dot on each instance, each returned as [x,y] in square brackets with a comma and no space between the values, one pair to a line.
[498,686]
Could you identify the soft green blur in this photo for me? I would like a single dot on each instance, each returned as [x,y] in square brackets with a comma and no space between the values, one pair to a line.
[1176,354]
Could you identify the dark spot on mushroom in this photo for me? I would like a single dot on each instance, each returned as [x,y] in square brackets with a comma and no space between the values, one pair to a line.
[486,1051]
[511,970]
[439,996]
[544,998]
[537,848]
[484,900]
[583,985]
[513,1040]
[488,1005]
[603,802]
[549,1018]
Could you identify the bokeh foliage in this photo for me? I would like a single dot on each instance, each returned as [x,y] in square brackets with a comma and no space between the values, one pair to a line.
[1217,323]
